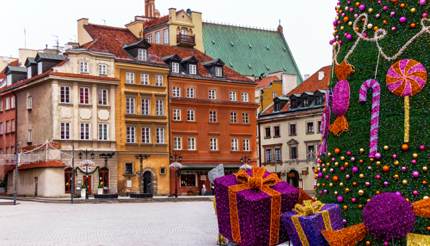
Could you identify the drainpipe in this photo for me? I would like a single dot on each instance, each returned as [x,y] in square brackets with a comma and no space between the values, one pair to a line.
[259,143]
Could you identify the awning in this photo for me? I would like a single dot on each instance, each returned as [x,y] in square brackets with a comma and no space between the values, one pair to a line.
[41,164]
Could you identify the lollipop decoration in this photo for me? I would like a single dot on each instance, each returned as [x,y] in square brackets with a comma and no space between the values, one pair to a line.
[406,78]
[341,97]
[376,105]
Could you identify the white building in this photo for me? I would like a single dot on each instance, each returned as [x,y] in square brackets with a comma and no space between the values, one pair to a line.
[290,131]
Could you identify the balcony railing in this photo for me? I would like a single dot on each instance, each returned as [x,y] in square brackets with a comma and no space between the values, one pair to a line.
[186,40]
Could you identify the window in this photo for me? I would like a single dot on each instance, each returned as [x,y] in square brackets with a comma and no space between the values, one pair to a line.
[159,80]
[176,114]
[293,130]
[175,67]
[310,152]
[85,131]
[146,135]
[103,69]
[131,134]
[233,96]
[29,72]
[274,95]
[319,127]
[160,136]
[166,36]
[84,95]
[212,116]
[103,132]
[246,145]
[7,103]
[149,37]
[212,94]
[306,102]
[12,125]
[39,67]
[142,54]
[213,144]
[191,143]
[65,131]
[218,71]
[192,69]
[268,155]
[278,154]
[129,168]
[268,132]
[188,180]
[1,128]
[29,136]
[176,92]
[245,118]
[177,143]
[29,102]
[191,92]
[310,128]
[277,131]
[83,67]
[65,94]
[130,105]
[12,102]
[146,105]
[191,115]
[245,97]
[144,79]
[129,78]
[158,37]
[234,144]
[319,100]
[159,107]
[103,95]
[233,117]
[293,152]
[1,104]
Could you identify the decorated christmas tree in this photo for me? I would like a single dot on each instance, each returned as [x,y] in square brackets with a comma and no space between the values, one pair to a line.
[376,124]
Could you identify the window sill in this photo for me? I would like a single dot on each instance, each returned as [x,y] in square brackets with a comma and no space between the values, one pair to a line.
[65,104]
[214,151]
[103,106]
[192,150]
[295,135]
[85,105]
[160,145]
[267,137]
[213,123]
[276,136]
[310,133]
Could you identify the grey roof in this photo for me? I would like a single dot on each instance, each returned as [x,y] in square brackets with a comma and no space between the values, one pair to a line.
[29,61]
[48,56]
[15,69]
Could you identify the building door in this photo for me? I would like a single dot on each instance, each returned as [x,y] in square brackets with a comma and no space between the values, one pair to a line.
[147,182]
[68,180]
[87,182]
[104,176]
[293,178]
[36,183]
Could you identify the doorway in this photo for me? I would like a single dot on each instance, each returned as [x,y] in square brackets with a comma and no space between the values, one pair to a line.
[36,184]
[87,182]
[104,176]
[293,178]
[147,182]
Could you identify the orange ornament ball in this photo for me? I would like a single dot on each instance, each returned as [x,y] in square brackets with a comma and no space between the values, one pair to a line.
[345,19]
[413,25]
[335,178]
[337,151]
[386,168]
[402,5]
[405,147]
[368,243]
[428,228]
[424,182]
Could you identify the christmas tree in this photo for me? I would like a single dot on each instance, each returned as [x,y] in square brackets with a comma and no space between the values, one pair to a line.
[377,124]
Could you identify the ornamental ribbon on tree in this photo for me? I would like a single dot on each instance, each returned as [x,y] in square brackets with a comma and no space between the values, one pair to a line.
[341,97]
[325,124]
[256,181]
[374,119]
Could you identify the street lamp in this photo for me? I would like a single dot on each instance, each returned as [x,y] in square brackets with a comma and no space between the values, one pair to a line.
[87,162]
[141,157]
[245,163]
[177,166]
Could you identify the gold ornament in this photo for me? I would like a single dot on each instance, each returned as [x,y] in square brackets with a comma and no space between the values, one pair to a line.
[405,181]
[361,192]
[386,147]
[415,155]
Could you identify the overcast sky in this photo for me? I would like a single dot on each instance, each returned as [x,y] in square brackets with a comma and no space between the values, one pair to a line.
[307,25]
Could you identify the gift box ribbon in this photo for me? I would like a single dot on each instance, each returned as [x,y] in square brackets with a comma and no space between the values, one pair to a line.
[256,181]
[309,208]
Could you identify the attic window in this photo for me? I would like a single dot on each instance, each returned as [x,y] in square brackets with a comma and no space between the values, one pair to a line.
[218,71]
[142,54]
[175,67]
[192,68]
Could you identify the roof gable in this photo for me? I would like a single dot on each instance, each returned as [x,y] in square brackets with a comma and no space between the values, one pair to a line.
[313,83]
[142,43]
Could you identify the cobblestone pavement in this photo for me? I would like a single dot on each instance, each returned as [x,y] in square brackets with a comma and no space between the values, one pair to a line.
[167,223]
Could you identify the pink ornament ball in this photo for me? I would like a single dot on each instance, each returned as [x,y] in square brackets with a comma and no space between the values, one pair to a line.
[404,169]
[353,200]
[339,199]
[415,193]
[403,19]
[349,36]
[355,169]
[367,183]
[378,156]
[423,2]
[385,8]
[415,174]
[394,156]
[414,161]
[386,183]
[362,7]
[422,147]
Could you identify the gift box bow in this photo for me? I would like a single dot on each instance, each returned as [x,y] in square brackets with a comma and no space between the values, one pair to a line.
[309,207]
[259,182]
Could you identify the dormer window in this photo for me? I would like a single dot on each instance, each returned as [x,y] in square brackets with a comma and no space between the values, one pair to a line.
[175,67]
[142,54]
[218,71]
[9,79]
[39,67]
[29,72]
[192,68]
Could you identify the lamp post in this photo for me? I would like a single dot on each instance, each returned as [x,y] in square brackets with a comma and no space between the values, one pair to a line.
[86,153]
[176,160]
[141,157]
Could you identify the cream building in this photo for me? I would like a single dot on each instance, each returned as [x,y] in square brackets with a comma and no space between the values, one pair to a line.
[289,131]
[68,99]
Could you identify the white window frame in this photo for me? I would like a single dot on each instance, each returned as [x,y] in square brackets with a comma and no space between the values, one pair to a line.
[235,144]
[84,67]
[103,69]
[159,107]
[159,80]
[103,96]
[192,144]
[175,67]
[245,118]
[246,145]
[130,105]
[146,106]
[85,131]
[177,114]
[213,116]
[213,144]
[142,54]
[130,78]
[65,94]
[233,117]
[176,92]
[7,103]
[161,139]
[191,92]
[218,71]
[232,96]
[29,102]
[245,97]
[166,36]
[103,132]
[191,115]
[144,79]
[192,69]
[146,135]
[158,37]
[177,143]
[84,95]
[65,130]
[212,94]
[130,134]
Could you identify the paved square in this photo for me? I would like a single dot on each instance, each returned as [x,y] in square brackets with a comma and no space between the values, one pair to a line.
[124,224]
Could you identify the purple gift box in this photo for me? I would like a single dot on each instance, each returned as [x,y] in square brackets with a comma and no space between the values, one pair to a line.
[312,225]
[254,211]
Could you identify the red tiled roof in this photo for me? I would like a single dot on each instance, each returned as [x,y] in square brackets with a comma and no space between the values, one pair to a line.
[270,109]
[157,21]
[112,40]
[41,164]
[313,84]
[265,82]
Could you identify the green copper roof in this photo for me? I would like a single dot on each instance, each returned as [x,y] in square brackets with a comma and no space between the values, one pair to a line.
[249,51]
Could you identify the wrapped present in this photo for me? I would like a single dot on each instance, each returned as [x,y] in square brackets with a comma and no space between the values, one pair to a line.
[306,222]
[249,206]
[417,239]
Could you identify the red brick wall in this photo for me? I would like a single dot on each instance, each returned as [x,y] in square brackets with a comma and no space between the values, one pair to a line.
[7,140]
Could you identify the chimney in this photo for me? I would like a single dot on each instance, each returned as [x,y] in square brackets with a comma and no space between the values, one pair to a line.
[150,8]
[280,27]
[321,75]
[172,14]
[289,82]
[83,36]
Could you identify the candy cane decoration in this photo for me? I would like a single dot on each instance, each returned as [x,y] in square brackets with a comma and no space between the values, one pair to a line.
[376,105]
[325,124]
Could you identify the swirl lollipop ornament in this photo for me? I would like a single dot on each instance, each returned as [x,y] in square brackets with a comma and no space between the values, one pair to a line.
[406,78]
